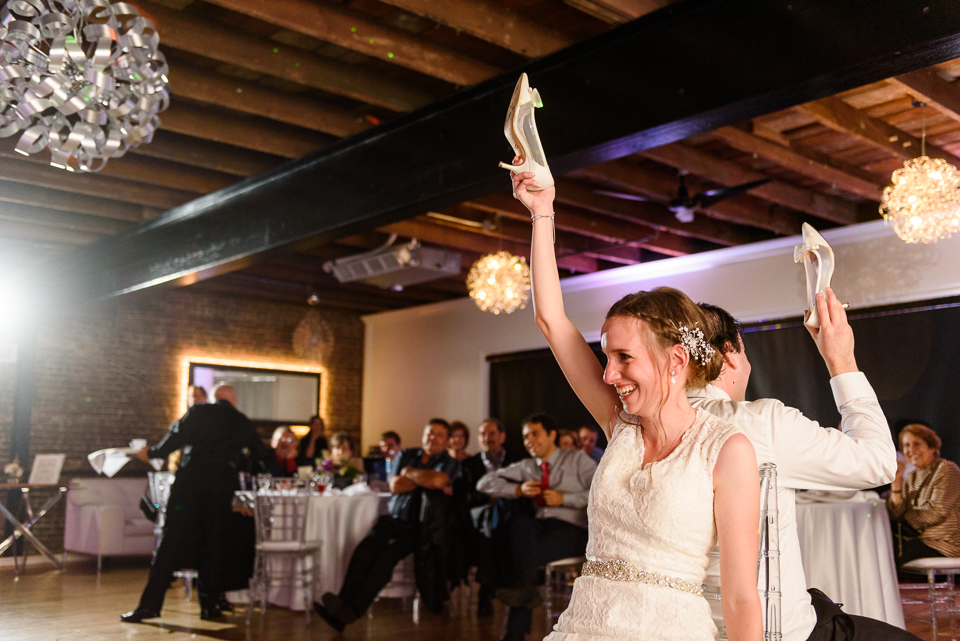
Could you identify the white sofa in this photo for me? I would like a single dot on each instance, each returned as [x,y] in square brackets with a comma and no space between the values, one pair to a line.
[104,518]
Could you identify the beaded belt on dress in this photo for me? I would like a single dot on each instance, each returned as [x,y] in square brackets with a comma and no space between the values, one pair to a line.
[625,571]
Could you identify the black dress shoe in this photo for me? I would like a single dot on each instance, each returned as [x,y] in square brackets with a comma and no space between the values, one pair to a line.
[138,615]
[339,608]
[212,613]
[224,604]
[331,620]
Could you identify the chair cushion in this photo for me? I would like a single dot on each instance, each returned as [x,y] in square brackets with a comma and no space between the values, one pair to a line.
[932,563]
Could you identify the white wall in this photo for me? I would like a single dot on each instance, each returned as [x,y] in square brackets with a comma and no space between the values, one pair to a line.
[431,360]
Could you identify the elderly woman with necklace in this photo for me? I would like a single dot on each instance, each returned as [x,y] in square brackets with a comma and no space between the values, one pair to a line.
[926,501]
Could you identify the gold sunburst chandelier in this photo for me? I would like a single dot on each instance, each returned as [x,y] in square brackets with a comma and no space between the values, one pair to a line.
[923,202]
[499,282]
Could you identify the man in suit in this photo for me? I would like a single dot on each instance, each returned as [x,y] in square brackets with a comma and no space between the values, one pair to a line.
[212,436]
[478,551]
[424,477]
[558,483]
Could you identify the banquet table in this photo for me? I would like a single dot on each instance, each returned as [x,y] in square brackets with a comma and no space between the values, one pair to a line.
[847,551]
[339,521]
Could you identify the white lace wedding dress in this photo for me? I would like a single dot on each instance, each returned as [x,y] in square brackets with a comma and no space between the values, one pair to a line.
[658,518]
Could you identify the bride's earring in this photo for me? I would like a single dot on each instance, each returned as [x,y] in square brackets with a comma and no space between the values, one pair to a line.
[818,260]
[673,374]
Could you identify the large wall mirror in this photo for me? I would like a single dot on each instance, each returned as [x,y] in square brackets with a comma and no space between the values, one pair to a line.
[264,395]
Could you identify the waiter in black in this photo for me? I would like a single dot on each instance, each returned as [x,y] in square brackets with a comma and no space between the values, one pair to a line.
[212,437]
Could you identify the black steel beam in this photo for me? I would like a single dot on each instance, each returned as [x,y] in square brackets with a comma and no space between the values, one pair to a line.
[683,70]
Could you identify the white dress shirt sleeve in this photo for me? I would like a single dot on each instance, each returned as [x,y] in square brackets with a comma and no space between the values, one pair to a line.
[503,483]
[859,455]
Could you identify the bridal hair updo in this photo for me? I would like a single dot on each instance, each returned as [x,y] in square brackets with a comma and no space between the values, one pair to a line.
[664,311]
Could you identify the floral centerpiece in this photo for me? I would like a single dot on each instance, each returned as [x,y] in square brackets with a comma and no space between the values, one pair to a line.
[342,469]
[13,471]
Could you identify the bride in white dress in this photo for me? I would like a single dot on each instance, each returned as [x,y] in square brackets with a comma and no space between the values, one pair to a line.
[673,480]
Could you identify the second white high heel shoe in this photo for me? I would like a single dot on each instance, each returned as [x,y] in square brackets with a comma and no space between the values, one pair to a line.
[520,129]
[817,257]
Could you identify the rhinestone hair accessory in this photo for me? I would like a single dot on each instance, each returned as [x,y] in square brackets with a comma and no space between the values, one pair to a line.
[693,341]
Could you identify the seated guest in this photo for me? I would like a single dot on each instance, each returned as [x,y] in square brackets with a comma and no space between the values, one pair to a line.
[342,449]
[284,444]
[558,483]
[420,490]
[313,444]
[476,544]
[568,440]
[588,442]
[196,394]
[379,468]
[926,501]
[459,437]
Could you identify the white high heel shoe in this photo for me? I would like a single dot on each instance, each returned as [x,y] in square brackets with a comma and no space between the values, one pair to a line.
[520,129]
[817,257]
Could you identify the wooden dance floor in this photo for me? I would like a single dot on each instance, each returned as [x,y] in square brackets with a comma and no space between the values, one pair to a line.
[45,605]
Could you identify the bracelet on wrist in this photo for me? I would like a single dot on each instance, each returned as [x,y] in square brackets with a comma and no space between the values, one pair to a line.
[533,217]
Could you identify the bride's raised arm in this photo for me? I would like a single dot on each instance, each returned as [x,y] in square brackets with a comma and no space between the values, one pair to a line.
[571,350]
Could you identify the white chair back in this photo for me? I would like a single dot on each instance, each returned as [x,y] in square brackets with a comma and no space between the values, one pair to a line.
[158,486]
[281,514]
[768,561]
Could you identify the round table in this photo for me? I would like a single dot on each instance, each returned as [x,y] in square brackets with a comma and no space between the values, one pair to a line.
[847,551]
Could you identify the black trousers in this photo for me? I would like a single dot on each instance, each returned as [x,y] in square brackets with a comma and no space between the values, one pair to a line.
[372,563]
[833,624]
[533,543]
[193,535]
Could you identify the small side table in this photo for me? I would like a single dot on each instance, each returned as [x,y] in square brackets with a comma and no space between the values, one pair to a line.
[22,528]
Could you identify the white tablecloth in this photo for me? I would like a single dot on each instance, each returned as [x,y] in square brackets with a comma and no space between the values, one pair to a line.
[340,522]
[847,552]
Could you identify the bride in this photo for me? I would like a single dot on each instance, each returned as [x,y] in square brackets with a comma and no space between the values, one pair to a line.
[672,481]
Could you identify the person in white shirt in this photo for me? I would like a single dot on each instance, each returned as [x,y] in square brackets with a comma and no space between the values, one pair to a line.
[859,455]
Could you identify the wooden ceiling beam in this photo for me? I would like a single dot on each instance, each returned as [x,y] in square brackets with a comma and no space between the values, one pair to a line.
[656,215]
[836,114]
[617,11]
[518,231]
[14,168]
[817,166]
[219,42]
[351,31]
[21,231]
[24,194]
[663,187]
[215,156]
[238,285]
[11,211]
[728,173]
[490,22]
[598,227]
[459,239]
[927,86]
[246,132]
[246,97]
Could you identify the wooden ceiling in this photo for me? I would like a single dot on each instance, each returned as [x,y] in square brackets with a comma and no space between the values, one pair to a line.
[255,84]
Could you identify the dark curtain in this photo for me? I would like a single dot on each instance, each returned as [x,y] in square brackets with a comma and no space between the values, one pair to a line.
[524,383]
[910,354]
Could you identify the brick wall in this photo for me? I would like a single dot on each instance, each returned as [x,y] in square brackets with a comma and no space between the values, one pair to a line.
[111,372]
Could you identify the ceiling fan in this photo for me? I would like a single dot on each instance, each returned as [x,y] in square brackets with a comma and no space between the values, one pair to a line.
[684,205]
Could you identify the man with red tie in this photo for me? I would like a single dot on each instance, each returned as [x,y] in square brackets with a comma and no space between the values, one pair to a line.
[558,482]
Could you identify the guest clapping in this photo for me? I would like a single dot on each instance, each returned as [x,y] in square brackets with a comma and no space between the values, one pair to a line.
[926,501]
